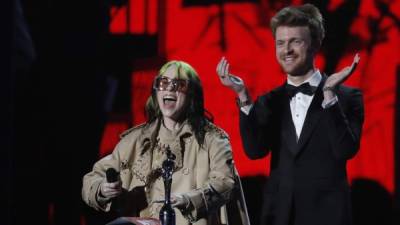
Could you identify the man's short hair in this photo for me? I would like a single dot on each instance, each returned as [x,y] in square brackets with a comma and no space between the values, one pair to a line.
[304,15]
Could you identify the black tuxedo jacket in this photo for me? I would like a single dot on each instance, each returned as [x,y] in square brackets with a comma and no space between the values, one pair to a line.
[308,180]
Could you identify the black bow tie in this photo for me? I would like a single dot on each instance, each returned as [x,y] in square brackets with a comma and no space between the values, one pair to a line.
[305,88]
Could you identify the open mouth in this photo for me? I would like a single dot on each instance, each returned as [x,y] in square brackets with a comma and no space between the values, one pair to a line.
[289,59]
[169,100]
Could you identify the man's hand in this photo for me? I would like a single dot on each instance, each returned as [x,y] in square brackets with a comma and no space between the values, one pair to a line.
[110,190]
[337,78]
[231,81]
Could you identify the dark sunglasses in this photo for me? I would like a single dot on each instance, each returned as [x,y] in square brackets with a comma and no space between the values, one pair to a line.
[162,83]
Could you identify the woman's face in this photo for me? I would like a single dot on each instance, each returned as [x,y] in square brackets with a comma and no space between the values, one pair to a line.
[171,93]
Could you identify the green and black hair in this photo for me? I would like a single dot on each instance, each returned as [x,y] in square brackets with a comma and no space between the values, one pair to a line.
[197,116]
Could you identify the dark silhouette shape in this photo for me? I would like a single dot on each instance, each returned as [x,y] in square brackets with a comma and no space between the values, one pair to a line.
[337,36]
[253,187]
[372,203]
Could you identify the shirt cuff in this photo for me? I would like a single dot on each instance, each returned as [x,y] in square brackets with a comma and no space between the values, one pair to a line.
[246,109]
[329,103]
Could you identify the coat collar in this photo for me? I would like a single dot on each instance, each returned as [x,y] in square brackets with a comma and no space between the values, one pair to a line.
[147,143]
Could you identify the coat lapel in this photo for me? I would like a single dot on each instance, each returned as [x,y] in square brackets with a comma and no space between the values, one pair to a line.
[142,166]
[313,115]
[288,129]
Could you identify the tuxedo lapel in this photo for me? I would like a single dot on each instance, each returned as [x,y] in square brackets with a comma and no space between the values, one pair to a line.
[288,129]
[313,115]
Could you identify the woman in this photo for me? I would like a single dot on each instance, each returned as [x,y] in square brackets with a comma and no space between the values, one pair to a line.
[203,177]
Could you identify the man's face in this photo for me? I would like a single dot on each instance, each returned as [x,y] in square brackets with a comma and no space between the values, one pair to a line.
[172,100]
[294,51]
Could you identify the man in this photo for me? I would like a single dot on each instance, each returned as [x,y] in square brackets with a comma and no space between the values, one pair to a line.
[311,125]
[203,176]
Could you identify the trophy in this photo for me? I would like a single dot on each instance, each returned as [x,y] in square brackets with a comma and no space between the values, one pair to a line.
[167,213]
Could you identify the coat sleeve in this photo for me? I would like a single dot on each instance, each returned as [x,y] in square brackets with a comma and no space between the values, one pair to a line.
[92,180]
[346,118]
[216,191]
[255,128]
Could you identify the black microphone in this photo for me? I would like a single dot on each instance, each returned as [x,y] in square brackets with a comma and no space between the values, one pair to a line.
[111,175]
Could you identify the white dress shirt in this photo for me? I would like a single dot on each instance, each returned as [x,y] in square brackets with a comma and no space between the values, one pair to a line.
[300,103]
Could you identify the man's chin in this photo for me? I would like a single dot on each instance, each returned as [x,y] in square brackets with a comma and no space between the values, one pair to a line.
[288,69]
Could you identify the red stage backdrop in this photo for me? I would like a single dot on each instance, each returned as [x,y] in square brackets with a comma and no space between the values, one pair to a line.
[239,30]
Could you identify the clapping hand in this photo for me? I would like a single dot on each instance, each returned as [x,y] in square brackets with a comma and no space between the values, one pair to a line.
[231,81]
[337,78]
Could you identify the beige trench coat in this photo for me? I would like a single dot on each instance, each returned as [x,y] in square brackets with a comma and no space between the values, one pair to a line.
[207,177]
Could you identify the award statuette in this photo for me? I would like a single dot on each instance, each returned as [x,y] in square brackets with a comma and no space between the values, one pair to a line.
[167,213]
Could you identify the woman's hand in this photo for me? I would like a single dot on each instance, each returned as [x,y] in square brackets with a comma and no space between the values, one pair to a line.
[180,201]
[110,190]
